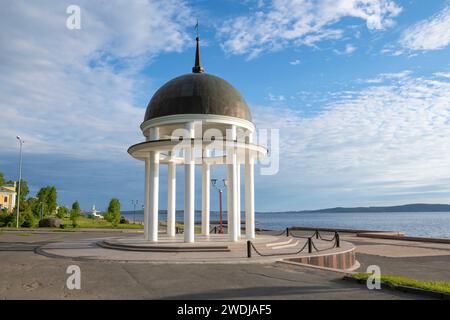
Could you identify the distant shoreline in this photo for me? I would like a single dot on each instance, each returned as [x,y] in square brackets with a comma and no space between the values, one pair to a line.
[417,207]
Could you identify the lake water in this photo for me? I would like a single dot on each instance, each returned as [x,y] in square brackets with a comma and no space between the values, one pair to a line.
[422,224]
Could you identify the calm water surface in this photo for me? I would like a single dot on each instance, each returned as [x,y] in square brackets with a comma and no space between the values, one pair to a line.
[423,224]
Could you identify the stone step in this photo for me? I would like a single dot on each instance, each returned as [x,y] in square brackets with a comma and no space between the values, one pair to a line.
[285,246]
[279,243]
[151,248]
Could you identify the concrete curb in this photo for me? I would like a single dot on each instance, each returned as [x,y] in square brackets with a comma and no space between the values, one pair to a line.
[298,264]
[406,289]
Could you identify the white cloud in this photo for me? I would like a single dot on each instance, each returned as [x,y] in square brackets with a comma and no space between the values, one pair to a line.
[349,49]
[300,22]
[392,51]
[386,143]
[278,98]
[295,62]
[74,91]
[382,77]
[430,34]
[442,74]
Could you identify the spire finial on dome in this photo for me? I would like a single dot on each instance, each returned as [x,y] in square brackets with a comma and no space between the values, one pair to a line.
[197,67]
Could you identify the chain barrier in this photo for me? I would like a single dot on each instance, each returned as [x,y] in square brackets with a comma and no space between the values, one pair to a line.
[329,240]
[315,234]
[250,246]
[319,250]
[285,232]
[309,243]
[301,237]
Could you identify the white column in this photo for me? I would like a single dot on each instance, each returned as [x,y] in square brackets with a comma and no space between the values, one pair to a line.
[147,199]
[189,188]
[205,194]
[153,189]
[232,189]
[171,196]
[153,196]
[249,196]
[238,197]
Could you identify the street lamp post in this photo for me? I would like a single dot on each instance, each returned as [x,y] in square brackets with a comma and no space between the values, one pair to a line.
[134,203]
[214,184]
[20,180]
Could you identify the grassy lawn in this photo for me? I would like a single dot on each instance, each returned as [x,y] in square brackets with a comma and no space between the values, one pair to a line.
[395,281]
[84,222]
[90,223]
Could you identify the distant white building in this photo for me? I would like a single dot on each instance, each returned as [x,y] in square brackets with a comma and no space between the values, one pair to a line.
[94,213]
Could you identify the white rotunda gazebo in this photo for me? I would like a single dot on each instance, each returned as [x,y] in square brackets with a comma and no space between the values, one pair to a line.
[198,119]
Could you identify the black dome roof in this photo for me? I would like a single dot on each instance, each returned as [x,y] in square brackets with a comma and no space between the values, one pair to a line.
[197,93]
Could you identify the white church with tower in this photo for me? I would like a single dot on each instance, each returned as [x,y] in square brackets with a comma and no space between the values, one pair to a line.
[198,119]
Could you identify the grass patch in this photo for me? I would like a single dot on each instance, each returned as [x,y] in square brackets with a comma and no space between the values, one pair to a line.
[23,234]
[92,223]
[395,281]
[84,222]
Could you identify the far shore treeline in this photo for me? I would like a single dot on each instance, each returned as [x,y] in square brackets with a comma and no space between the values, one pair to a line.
[415,207]
[419,207]
[44,205]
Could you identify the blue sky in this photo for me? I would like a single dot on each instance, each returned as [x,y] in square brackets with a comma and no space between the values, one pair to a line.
[359,89]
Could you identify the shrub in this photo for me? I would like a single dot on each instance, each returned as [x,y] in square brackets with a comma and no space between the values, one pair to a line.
[50,223]
[6,219]
[113,213]
[62,212]
[27,219]
[75,213]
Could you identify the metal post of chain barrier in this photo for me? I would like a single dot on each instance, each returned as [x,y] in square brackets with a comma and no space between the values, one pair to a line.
[249,249]
[309,245]
[317,234]
[338,242]
[287,232]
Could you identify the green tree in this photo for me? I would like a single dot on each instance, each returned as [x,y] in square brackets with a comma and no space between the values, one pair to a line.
[27,219]
[113,213]
[24,191]
[35,206]
[75,213]
[52,197]
[23,194]
[48,196]
[2,179]
[6,219]
[61,212]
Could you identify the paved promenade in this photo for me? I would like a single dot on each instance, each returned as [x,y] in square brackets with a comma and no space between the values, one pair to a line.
[28,275]
[418,260]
